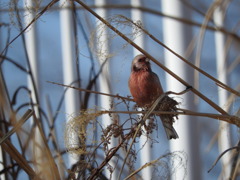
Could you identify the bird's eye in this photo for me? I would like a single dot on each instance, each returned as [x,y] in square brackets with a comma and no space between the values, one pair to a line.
[141,60]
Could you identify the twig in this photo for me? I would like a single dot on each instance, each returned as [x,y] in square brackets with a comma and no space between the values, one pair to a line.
[228,89]
[20,160]
[13,62]
[25,117]
[235,169]
[90,91]
[52,135]
[34,19]
[230,119]
[138,128]
[146,165]
[227,118]
[179,93]
[52,165]
[109,156]
[219,157]
[113,151]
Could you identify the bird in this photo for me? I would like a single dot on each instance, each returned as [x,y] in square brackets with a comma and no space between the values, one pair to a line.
[145,88]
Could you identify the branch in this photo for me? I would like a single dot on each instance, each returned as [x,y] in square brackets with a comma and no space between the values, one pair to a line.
[34,19]
[214,164]
[90,91]
[145,117]
[234,170]
[146,165]
[25,117]
[225,117]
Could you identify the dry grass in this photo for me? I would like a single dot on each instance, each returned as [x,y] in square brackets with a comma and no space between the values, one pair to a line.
[30,144]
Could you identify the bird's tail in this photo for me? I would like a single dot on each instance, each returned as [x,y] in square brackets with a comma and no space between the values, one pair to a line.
[167,124]
[168,104]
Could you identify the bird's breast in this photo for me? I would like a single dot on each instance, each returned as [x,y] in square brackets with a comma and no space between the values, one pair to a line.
[144,87]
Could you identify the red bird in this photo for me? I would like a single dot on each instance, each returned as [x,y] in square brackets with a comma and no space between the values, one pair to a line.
[145,88]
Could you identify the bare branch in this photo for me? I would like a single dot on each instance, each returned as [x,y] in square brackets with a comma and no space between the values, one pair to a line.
[214,164]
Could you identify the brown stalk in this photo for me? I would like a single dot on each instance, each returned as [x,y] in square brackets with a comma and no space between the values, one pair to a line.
[113,151]
[146,165]
[52,169]
[53,136]
[16,156]
[109,156]
[34,19]
[90,91]
[25,117]
[227,118]
[229,89]
[145,117]
[220,156]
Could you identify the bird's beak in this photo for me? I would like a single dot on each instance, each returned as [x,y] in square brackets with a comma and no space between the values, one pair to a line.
[147,60]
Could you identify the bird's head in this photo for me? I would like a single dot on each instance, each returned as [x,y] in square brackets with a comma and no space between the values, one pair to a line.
[140,63]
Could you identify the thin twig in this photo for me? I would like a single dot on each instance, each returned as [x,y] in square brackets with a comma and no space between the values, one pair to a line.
[229,89]
[219,157]
[46,151]
[234,169]
[9,148]
[3,58]
[179,93]
[113,151]
[90,91]
[146,165]
[227,118]
[145,117]
[34,19]
[25,117]
[109,156]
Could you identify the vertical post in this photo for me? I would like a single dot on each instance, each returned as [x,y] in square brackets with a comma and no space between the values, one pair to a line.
[70,76]
[145,153]
[33,80]
[31,44]
[224,138]
[104,80]
[177,37]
